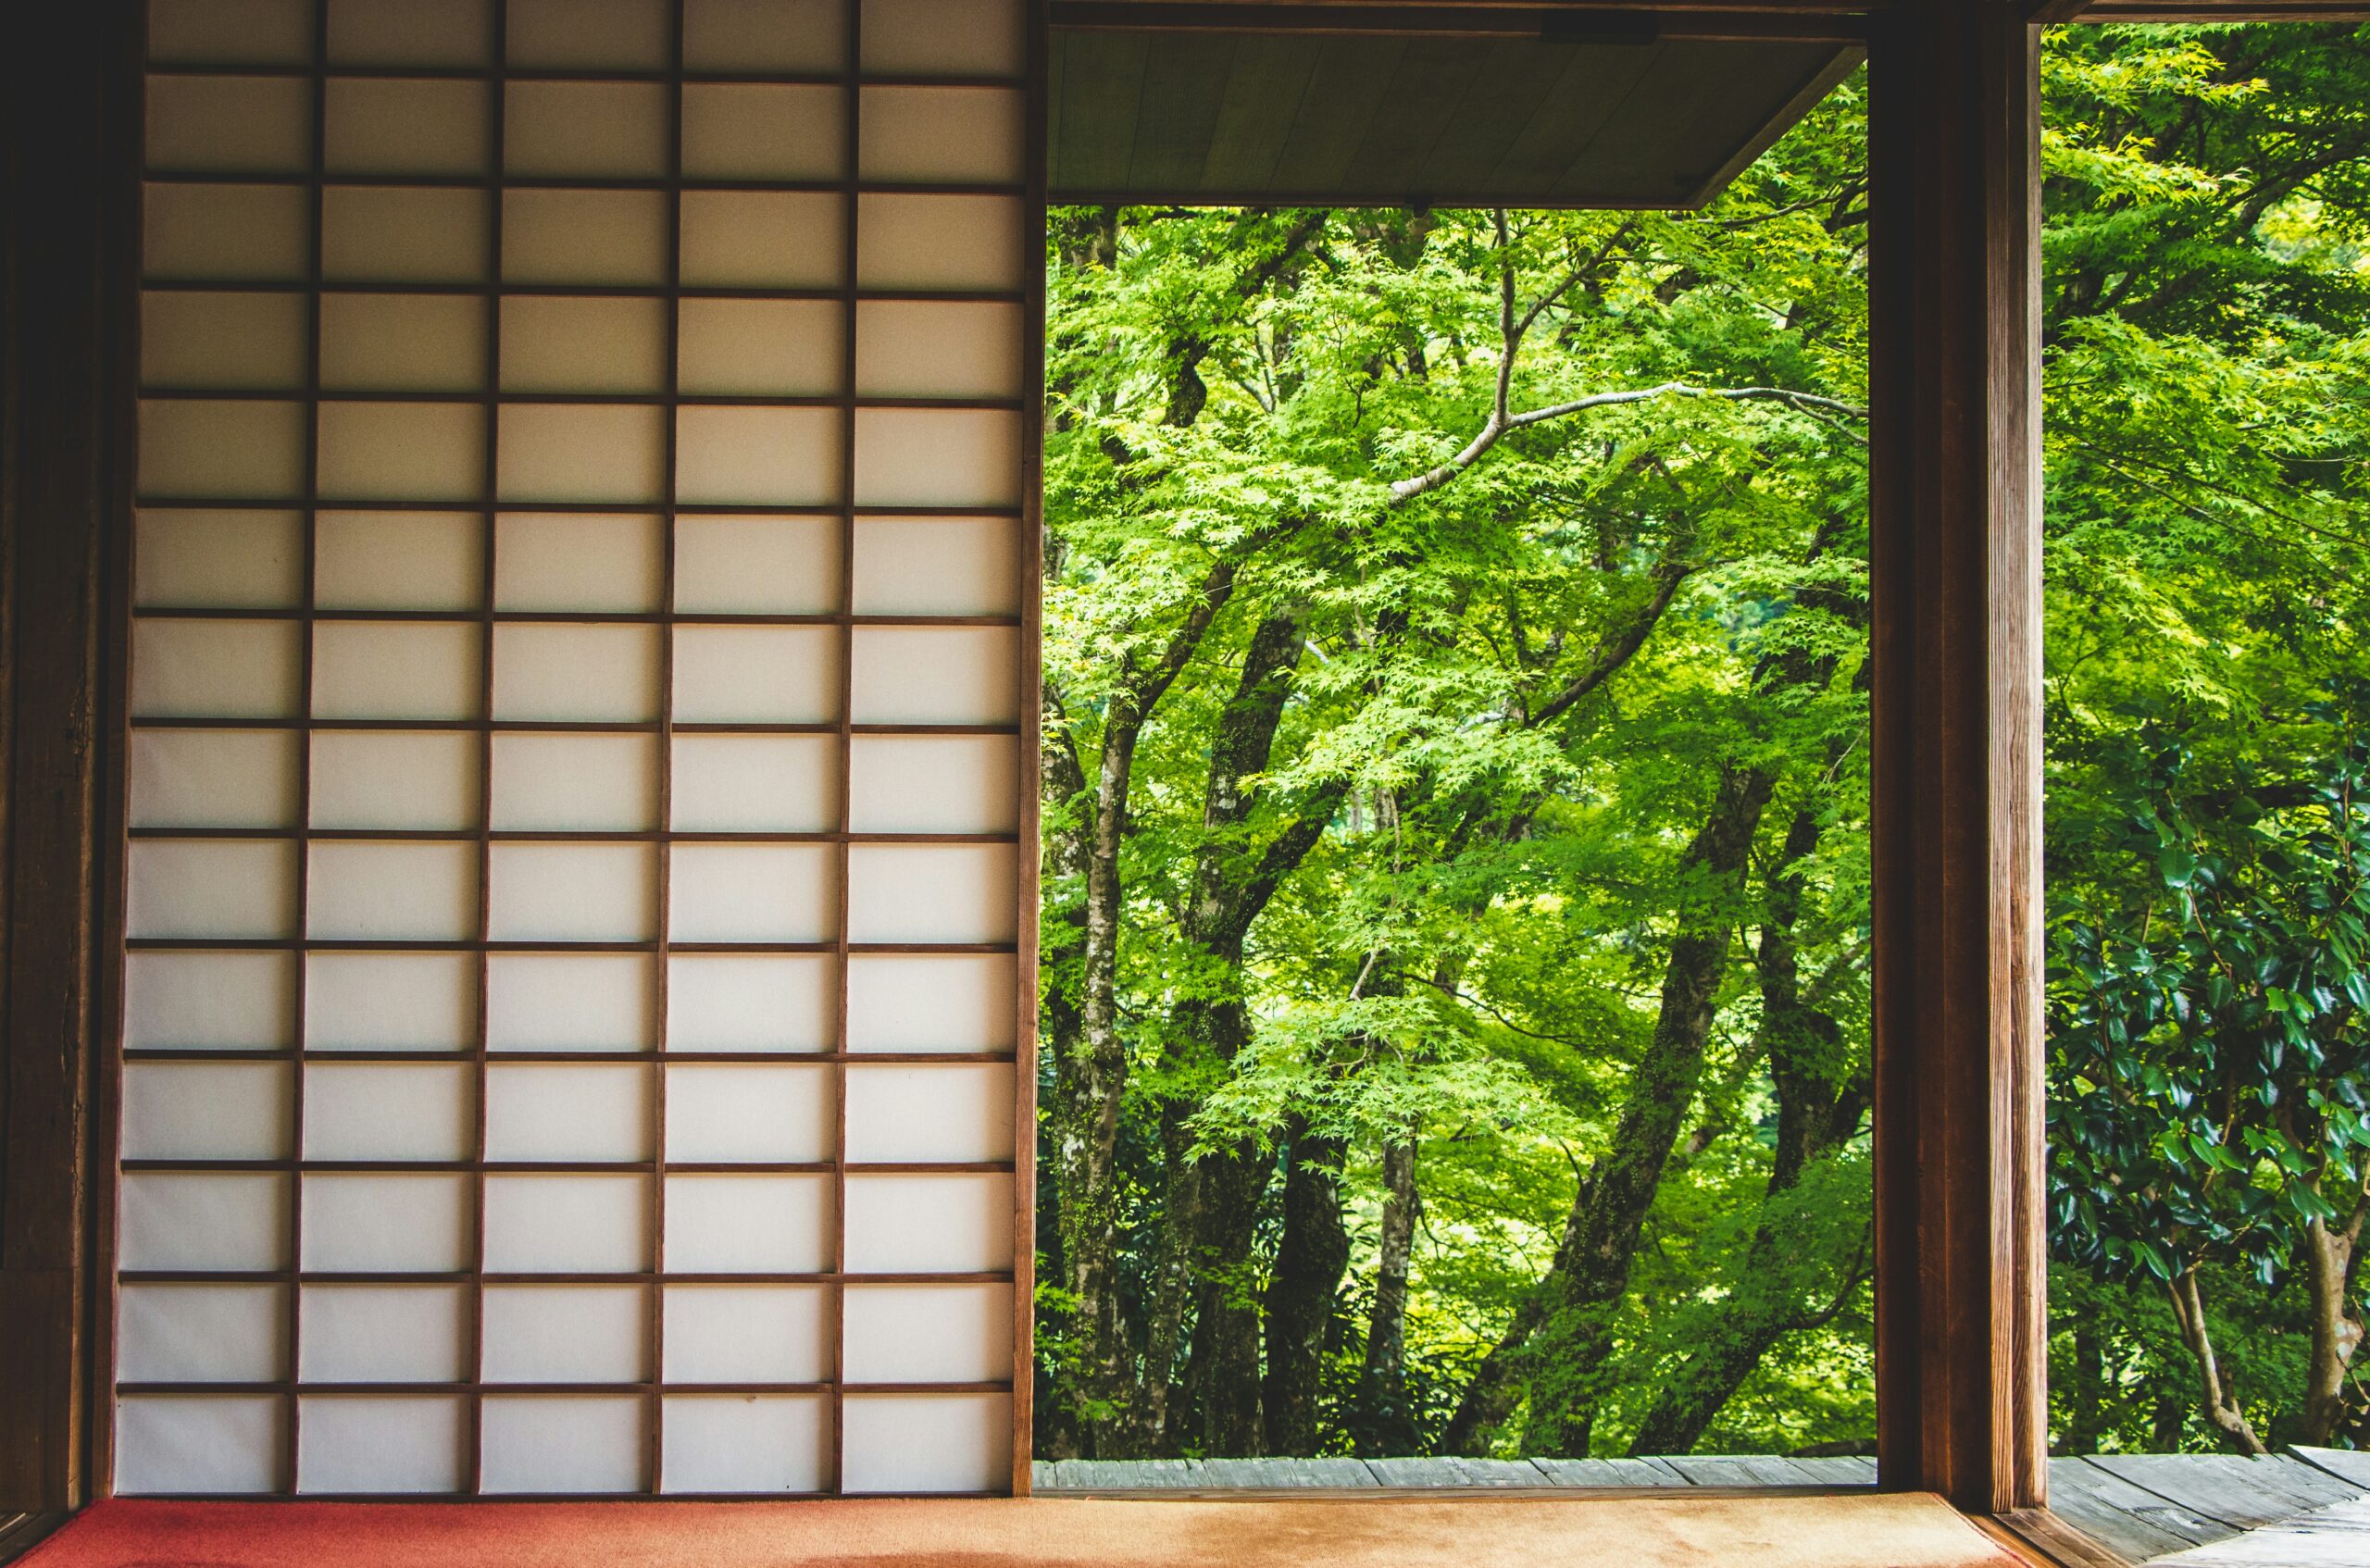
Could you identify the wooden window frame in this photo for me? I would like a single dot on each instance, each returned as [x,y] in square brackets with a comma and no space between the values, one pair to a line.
[1955,453]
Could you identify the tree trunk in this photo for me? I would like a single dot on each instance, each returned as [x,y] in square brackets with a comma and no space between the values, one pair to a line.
[2329,1265]
[1820,1099]
[2217,1397]
[2086,1401]
[1301,1291]
[1384,1424]
[1090,1055]
[1564,1345]
[1225,1386]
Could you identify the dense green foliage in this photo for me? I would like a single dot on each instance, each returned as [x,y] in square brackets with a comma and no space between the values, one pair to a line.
[1455,950]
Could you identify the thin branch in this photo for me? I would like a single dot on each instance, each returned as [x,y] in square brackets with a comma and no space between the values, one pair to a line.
[1496,427]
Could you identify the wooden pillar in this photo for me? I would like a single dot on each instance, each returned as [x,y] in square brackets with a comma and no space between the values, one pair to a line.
[1955,561]
[67,321]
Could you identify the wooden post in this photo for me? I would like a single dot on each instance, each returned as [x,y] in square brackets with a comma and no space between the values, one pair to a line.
[67,320]
[1956,565]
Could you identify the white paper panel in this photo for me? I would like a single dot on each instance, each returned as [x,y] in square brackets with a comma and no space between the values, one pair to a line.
[380,1443]
[756,675]
[776,1114]
[747,1334]
[209,888]
[926,1443]
[760,240]
[403,342]
[554,783]
[602,129]
[732,1443]
[209,1001]
[201,1333]
[570,1001]
[928,1333]
[791,37]
[757,456]
[417,32]
[390,1001]
[936,674]
[761,131]
[942,135]
[748,1224]
[935,1114]
[212,1444]
[955,1224]
[751,894]
[213,778]
[756,566]
[571,1443]
[938,893]
[573,893]
[575,673]
[404,780]
[257,233]
[250,32]
[400,126]
[392,891]
[591,35]
[774,1002]
[215,669]
[247,343]
[396,669]
[545,1113]
[370,1111]
[937,348]
[592,453]
[766,348]
[942,37]
[569,561]
[932,242]
[402,451]
[566,1333]
[404,234]
[409,560]
[934,783]
[387,1224]
[959,1001]
[232,1223]
[221,450]
[219,559]
[567,1224]
[206,1110]
[937,457]
[571,344]
[385,1333]
[584,237]
[755,783]
[229,124]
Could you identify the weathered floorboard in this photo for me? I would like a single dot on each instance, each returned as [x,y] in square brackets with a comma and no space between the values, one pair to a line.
[2335,1536]
[1610,1473]
[2134,1520]
[2352,1468]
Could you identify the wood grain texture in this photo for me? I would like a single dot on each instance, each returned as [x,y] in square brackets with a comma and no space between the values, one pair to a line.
[73,128]
[1956,642]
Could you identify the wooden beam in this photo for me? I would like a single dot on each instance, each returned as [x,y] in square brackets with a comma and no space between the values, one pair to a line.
[1955,561]
[67,318]
[1636,21]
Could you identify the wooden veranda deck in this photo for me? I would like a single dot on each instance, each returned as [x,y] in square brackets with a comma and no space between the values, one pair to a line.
[2307,1508]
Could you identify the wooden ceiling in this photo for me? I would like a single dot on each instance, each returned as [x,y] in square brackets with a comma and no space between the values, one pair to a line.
[1332,106]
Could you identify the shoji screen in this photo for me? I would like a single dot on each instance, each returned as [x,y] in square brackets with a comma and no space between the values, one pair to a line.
[575,907]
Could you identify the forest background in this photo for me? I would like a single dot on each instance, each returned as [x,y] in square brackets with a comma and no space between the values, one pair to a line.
[1454,997]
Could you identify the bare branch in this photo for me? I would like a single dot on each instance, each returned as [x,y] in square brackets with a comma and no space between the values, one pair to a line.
[1424,483]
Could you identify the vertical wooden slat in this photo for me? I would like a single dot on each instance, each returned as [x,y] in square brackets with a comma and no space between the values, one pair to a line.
[654,1465]
[71,120]
[851,109]
[1955,520]
[473,1426]
[1030,856]
[293,1304]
